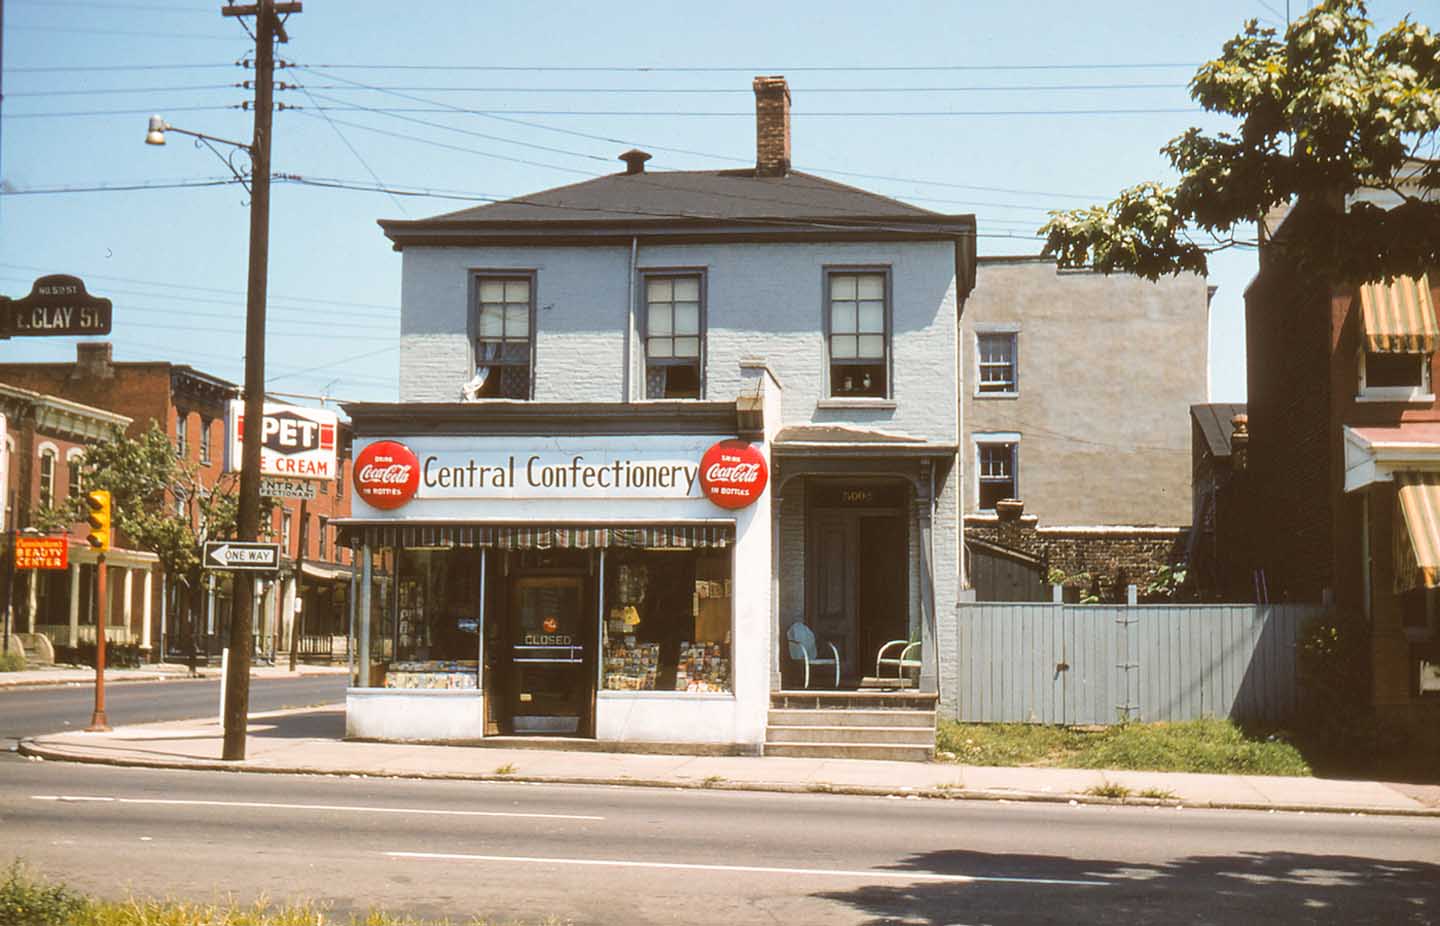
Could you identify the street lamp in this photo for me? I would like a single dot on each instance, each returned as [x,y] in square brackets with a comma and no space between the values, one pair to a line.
[237,679]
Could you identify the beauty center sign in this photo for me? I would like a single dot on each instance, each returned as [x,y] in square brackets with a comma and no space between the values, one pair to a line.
[390,473]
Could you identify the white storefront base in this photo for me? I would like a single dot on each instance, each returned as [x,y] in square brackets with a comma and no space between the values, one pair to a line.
[673,717]
[418,715]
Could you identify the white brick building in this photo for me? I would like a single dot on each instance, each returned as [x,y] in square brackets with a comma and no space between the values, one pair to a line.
[632,321]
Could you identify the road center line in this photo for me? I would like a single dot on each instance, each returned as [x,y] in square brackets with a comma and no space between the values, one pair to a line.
[864,873]
[344,808]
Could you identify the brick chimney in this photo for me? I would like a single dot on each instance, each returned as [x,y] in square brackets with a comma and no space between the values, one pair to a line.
[92,359]
[772,126]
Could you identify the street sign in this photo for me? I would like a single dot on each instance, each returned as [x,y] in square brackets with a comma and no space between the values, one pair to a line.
[58,306]
[250,557]
[42,552]
[270,487]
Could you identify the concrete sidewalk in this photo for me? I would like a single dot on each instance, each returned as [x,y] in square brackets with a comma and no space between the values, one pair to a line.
[309,742]
[163,671]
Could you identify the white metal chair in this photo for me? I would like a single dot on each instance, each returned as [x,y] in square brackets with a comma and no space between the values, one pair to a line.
[908,658]
[804,650]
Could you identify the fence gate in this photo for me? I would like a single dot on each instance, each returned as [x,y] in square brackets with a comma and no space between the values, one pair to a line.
[1099,664]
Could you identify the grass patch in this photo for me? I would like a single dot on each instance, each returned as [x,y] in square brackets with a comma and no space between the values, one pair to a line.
[1212,746]
[507,769]
[710,781]
[12,661]
[1109,789]
[1158,794]
[29,900]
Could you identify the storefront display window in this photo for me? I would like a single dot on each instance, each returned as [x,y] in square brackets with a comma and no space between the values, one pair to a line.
[667,621]
[436,634]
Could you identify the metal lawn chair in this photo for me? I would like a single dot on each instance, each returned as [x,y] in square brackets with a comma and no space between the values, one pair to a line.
[803,649]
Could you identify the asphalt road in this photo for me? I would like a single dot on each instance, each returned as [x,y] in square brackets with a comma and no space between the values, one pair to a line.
[30,711]
[641,856]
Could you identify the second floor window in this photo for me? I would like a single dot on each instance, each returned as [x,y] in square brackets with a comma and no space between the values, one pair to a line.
[74,474]
[673,336]
[205,440]
[858,323]
[324,529]
[47,478]
[996,352]
[181,441]
[285,533]
[502,338]
[339,478]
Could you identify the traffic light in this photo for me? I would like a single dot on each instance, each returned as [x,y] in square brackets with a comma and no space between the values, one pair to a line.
[99,520]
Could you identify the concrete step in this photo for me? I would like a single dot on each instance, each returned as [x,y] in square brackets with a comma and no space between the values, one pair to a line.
[888,683]
[861,700]
[858,717]
[894,752]
[869,736]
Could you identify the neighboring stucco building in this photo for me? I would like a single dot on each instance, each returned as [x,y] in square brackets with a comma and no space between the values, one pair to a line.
[1075,400]
[631,322]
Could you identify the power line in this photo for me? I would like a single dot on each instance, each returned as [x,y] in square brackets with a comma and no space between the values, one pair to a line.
[120,188]
[94,90]
[137,33]
[109,5]
[346,142]
[208,289]
[119,112]
[794,113]
[977,88]
[874,68]
[87,68]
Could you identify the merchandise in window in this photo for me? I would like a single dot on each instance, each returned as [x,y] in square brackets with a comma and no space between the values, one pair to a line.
[502,339]
[667,621]
[858,334]
[996,466]
[437,631]
[997,362]
[672,337]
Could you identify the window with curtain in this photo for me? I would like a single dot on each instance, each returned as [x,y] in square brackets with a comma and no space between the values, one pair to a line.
[674,336]
[503,321]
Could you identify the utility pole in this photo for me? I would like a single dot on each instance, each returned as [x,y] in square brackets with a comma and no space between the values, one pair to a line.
[298,615]
[268,29]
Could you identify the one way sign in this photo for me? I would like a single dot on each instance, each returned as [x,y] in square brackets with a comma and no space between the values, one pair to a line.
[233,554]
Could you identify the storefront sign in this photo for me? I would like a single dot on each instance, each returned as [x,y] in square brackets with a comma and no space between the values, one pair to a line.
[272,487]
[390,473]
[42,553]
[733,473]
[296,442]
[386,474]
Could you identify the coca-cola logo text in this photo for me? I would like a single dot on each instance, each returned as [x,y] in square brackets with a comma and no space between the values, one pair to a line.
[387,474]
[733,473]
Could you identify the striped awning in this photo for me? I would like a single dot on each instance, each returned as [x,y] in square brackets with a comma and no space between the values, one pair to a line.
[539,536]
[1417,531]
[1399,316]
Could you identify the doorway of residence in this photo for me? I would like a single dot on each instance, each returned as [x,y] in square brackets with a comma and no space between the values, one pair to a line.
[857,556]
[548,668]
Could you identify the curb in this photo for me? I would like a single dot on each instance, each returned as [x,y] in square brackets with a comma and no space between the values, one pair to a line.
[202,675]
[30,748]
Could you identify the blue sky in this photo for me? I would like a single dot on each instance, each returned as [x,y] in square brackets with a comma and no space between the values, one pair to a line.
[1003,110]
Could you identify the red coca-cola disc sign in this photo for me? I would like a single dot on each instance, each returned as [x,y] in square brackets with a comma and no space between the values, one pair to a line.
[387,474]
[733,473]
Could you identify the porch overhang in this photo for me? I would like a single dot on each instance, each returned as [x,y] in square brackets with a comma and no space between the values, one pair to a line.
[1375,454]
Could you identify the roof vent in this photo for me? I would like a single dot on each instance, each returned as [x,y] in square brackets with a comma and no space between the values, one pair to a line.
[635,161]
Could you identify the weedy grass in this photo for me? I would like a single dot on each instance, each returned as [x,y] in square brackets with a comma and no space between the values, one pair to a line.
[1109,789]
[1158,794]
[26,899]
[507,769]
[1211,746]
[12,661]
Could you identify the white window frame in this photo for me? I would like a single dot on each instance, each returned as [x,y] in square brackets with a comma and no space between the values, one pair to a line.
[992,438]
[672,274]
[1421,393]
[74,476]
[990,331]
[46,492]
[834,392]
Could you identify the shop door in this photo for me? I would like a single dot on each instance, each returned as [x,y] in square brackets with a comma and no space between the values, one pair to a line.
[551,686]
[858,585]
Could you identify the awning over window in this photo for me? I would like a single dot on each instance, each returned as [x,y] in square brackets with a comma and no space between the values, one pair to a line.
[539,537]
[1417,531]
[1399,317]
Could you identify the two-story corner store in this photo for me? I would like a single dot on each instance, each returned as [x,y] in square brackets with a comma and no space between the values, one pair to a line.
[579,368]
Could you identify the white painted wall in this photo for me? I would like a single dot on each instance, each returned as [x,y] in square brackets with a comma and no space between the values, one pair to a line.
[395,714]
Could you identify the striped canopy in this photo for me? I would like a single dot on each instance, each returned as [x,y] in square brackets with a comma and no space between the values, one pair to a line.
[540,536]
[1417,531]
[1399,316]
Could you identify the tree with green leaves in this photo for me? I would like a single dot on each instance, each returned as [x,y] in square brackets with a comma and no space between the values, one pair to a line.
[1323,112]
[161,503]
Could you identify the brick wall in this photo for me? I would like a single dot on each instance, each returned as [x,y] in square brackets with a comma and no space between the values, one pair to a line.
[1113,558]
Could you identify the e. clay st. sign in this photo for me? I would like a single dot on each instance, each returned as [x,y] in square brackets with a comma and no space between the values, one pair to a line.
[58,305]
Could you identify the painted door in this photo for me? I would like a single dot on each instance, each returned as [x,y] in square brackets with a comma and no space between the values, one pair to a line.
[551,688]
